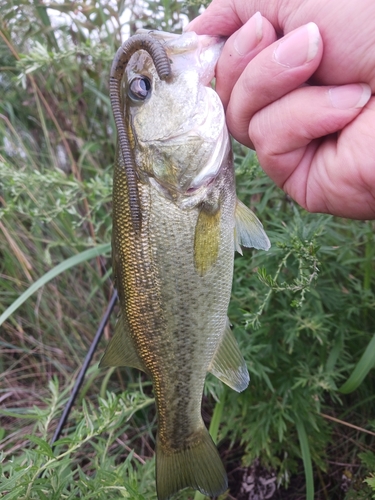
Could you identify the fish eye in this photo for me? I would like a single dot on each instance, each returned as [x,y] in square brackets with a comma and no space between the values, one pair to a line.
[139,88]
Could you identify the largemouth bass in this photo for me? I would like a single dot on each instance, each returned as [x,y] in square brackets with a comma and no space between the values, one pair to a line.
[176,225]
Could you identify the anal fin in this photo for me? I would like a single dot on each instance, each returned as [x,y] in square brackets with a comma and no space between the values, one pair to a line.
[249,230]
[228,364]
[121,350]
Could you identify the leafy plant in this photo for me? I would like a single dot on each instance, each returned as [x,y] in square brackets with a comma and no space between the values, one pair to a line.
[63,472]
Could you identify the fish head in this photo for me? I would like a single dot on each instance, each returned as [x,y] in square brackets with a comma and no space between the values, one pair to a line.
[176,126]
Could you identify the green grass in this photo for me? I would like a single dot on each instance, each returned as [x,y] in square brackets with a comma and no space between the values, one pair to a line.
[303,312]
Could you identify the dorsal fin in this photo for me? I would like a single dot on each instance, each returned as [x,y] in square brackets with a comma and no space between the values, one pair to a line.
[249,230]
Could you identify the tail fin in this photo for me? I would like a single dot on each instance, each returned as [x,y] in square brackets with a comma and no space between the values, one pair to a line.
[197,466]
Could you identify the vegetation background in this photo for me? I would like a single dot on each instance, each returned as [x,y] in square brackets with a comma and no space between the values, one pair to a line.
[303,312]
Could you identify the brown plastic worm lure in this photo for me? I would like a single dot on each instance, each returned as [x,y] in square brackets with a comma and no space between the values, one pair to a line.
[121,59]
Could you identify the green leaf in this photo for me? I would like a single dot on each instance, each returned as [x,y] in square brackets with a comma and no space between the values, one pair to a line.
[368,459]
[15,493]
[10,483]
[362,368]
[18,414]
[371,481]
[60,268]
[306,457]
[43,445]
[216,417]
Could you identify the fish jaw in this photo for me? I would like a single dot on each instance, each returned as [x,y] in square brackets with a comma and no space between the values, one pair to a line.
[179,130]
[190,50]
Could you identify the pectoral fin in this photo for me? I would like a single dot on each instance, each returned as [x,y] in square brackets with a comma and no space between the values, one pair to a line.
[249,230]
[206,240]
[121,350]
[228,364]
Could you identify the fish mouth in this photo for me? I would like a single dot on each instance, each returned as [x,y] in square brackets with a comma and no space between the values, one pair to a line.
[200,51]
[185,172]
[204,135]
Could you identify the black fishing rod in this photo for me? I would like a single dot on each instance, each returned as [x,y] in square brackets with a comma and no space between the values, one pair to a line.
[86,364]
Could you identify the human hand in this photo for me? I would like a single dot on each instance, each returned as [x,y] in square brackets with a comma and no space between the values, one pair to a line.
[316,141]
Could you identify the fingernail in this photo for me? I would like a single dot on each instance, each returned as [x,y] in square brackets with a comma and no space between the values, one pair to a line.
[250,34]
[299,47]
[355,95]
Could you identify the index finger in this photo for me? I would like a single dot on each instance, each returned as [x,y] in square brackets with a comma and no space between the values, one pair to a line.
[224,17]
[277,70]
